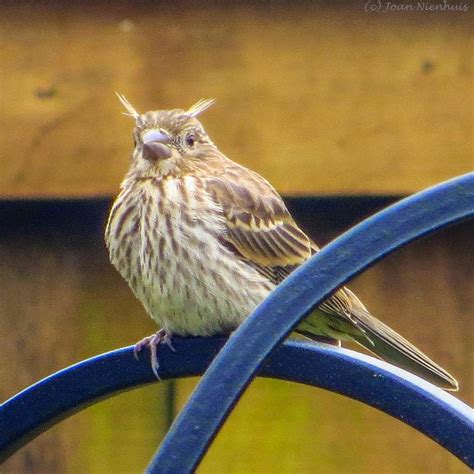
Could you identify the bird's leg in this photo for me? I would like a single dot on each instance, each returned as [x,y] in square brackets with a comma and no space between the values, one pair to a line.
[153,342]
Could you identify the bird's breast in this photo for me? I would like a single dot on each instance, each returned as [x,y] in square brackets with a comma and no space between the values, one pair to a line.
[164,239]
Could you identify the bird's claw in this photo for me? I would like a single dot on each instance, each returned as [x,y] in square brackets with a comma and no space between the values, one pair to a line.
[140,345]
[153,342]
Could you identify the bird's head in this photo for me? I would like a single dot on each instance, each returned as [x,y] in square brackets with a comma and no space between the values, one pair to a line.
[168,142]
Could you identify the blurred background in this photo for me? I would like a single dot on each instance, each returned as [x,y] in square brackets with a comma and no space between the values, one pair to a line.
[344,110]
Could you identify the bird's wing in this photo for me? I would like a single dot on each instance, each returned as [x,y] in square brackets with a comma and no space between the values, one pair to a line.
[258,224]
[261,231]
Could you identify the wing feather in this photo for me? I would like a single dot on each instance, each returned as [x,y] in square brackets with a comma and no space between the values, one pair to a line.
[258,223]
[261,230]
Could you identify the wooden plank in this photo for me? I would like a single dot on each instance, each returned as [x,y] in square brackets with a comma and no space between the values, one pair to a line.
[319,99]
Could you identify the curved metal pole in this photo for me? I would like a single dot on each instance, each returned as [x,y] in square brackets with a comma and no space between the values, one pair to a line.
[383,386]
[45,403]
[237,364]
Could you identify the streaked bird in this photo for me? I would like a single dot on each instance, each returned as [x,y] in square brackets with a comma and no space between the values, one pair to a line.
[202,240]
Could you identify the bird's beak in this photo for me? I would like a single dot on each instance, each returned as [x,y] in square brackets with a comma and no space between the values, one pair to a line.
[156,145]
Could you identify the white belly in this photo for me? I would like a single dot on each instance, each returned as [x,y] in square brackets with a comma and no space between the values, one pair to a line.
[171,257]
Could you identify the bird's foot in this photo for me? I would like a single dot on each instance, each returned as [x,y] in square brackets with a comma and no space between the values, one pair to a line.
[153,341]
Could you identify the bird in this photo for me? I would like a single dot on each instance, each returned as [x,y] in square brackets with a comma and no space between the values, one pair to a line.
[202,240]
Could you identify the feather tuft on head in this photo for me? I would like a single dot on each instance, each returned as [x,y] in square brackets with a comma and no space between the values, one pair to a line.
[199,107]
[131,112]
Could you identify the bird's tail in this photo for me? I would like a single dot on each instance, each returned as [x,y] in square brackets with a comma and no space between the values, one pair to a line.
[383,341]
[390,346]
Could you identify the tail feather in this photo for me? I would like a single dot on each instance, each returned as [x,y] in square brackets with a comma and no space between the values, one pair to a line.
[378,338]
[359,325]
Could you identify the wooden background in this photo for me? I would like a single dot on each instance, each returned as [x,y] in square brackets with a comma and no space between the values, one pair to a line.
[324,101]
[347,101]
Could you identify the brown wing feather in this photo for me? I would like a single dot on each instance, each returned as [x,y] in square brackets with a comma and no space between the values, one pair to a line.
[261,231]
[259,225]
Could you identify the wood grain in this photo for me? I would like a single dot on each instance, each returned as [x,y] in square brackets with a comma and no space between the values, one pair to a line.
[319,99]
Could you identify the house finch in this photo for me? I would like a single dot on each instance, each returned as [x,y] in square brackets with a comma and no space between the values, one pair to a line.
[202,240]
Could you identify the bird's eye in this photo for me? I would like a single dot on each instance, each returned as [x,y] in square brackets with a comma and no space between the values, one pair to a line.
[190,140]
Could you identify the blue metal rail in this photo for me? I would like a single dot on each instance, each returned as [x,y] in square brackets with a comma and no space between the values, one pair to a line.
[372,381]
[255,348]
